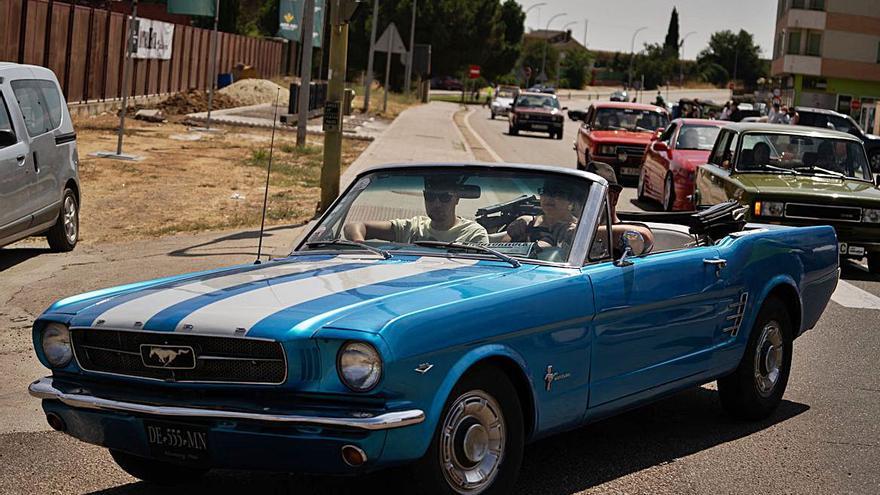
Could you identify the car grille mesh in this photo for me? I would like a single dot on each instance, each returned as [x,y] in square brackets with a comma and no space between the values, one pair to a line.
[823,212]
[218,359]
[632,150]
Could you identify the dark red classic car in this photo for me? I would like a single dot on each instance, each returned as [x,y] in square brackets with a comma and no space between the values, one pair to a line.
[538,112]
[671,161]
[617,133]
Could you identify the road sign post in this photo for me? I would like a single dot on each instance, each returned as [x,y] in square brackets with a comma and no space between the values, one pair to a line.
[390,42]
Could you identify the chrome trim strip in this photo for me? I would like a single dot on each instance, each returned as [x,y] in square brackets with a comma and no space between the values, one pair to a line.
[807,205]
[138,377]
[44,388]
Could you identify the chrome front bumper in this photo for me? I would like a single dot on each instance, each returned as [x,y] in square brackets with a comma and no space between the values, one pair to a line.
[44,388]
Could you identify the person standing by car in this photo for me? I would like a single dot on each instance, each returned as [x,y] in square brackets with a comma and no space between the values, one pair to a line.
[441,194]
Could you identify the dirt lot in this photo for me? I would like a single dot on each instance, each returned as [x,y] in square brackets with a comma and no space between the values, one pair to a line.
[181,185]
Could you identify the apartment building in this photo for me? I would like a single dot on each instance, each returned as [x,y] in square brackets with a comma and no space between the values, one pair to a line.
[827,53]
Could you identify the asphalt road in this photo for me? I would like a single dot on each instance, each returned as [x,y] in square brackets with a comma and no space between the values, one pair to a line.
[825,438]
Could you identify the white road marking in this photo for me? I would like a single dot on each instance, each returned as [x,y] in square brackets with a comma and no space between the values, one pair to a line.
[850,296]
[483,143]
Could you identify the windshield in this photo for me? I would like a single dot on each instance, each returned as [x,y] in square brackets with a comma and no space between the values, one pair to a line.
[523,215]
[537,101]
[628,119]
[505,93]
[775,153]
[697,137]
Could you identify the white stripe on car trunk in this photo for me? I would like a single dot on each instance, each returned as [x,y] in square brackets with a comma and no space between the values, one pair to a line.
[245,310]
[141,309]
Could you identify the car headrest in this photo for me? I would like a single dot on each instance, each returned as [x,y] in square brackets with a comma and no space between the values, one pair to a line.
[810,158]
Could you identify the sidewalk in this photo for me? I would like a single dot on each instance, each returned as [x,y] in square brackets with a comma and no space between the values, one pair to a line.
[425,133]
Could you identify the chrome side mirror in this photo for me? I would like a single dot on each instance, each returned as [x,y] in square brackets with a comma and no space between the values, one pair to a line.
[632,244]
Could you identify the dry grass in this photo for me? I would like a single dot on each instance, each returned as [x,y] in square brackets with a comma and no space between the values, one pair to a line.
[397,102]
[185,186]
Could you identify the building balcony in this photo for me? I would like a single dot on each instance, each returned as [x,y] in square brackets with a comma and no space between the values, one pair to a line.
[797,64]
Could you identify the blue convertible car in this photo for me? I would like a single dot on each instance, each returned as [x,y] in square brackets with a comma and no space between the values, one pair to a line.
[436,315]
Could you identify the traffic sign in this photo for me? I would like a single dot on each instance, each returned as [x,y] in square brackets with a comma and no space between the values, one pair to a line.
[855,105]
[474,71]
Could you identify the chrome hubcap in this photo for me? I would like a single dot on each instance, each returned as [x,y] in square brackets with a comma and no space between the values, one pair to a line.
[71,226]
[768,358]
[472,442]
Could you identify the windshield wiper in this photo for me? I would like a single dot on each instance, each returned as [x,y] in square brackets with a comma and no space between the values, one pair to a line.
[475,247]
[767,166]
[826,171]
[343,242]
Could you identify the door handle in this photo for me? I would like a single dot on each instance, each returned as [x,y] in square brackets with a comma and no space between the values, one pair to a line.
[36,164]
[720,263]
[20,159]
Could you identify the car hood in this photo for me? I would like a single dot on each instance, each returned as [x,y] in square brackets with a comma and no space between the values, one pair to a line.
[812,187]
[628,137]
[502,101]
[297,296]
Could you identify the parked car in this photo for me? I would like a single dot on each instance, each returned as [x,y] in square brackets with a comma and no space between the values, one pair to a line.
[795,175]
[39,181]
[828,119]
[536,112]
[619,96]
[541,88]
[371,346]
[671,161]
[503,99]
[617,134]
[446,83]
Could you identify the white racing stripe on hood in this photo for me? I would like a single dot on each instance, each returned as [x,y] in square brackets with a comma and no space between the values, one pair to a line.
[143,308]
[247,309]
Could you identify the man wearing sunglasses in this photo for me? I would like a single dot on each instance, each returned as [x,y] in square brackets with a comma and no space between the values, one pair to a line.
[441,195]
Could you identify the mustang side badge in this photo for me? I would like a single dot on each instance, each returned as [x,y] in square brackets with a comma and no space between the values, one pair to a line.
[553,376]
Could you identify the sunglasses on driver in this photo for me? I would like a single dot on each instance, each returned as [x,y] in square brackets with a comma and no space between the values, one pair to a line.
[443,197]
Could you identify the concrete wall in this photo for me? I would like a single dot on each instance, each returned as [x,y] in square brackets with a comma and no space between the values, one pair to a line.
[855,47]
[869,8]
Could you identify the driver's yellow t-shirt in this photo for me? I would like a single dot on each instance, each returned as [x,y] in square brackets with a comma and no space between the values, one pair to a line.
[407,230]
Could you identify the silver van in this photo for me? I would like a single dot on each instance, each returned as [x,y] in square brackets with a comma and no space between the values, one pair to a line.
[39,183]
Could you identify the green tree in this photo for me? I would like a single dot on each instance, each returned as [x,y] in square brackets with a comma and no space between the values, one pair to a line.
[737,54]
[533,55]
[655,64]
[508,41]
[670,44]
[574,67]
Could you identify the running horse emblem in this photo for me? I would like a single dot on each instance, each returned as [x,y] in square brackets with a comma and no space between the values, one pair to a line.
[167,356]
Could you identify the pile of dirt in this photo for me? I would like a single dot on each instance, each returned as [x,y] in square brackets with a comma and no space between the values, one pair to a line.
[196,101]
[256,92]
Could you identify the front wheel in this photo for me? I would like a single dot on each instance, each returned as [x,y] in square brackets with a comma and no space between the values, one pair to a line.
[640,188]
[493,116]
[478,445]
[874,263]
[156,472]
[64,234]
[668,193]
[755,389]
[559,135]
[512,130]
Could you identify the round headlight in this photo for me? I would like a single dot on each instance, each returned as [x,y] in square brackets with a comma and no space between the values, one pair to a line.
[360,366]
[56,345]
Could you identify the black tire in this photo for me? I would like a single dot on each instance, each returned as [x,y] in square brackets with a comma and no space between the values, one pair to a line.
[874,160]
[493,115]
[512,130]
[740,393]
[559,135]
[64,235]
[668,193]
[157,472]
[491,382]
[640,187]
[874,263]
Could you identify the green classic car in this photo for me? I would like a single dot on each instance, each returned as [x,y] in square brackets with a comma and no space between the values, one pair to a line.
[796,175]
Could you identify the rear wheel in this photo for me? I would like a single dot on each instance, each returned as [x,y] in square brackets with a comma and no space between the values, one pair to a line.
[478,445]
[668,193]
[559,135]
[64,234]
[755,389]
[493,115]
[156,472]
[874,262]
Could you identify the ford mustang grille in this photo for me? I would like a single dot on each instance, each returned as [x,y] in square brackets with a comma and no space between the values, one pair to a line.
[179,357]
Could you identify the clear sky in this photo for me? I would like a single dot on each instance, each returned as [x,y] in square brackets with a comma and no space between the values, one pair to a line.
[612,22]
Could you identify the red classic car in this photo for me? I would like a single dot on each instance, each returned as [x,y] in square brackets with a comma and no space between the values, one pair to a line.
[672,159]
[617,133]
[536,112]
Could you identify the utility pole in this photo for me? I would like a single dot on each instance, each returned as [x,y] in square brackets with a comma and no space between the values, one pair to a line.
[547,42]
[586,25]
[340,15]
[409,59]
[369,78]
[213,81]
[130,45]
[308,27]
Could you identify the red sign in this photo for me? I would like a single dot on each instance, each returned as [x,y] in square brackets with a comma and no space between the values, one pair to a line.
[474,72]
[855,105]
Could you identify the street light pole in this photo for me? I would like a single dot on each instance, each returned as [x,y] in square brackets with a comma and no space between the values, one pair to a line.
[681,59]
[305,77]
[632,48]
[407,80]
[539,4]
[369,78]
[547,42]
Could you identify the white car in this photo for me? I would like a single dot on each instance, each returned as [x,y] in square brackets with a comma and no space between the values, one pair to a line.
[39,182]
[501,103]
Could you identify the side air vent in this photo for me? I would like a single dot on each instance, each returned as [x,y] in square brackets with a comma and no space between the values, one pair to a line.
[735,318]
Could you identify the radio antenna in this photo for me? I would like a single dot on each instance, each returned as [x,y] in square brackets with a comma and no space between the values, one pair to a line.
[268,173]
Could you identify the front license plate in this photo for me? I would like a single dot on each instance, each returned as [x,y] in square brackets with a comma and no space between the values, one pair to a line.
[179,442]
[857,250]
[629,170]
[540,127]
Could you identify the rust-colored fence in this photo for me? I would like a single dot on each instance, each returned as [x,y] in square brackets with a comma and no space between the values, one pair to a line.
[84,46]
